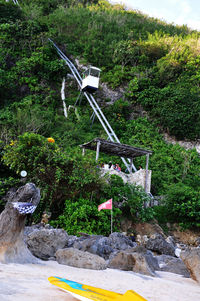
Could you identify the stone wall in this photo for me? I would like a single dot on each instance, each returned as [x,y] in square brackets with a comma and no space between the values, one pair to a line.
[137,178]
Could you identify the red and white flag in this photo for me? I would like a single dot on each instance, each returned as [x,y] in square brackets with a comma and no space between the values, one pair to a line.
[106,205]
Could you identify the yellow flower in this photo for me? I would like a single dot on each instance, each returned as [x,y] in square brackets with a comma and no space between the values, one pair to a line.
[13,142]
[51,140]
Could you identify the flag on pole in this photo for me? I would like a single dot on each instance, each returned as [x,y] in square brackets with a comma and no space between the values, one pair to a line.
[106,205]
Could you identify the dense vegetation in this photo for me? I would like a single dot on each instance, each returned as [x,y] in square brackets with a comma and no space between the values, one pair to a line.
[157,63]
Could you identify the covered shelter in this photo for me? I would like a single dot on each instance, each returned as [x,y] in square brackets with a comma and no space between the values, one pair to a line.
[117,149]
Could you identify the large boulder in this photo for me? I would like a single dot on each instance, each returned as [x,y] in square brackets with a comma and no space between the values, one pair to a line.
[173,265]
[191,258]
[45,242]
[79,259]
[138,260]
[158,244]
[20,202]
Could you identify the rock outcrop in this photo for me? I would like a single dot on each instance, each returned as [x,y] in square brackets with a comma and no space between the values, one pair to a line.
[12,223]
[116,251]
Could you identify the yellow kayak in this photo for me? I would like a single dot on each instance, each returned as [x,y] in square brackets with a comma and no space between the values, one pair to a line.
[85,292]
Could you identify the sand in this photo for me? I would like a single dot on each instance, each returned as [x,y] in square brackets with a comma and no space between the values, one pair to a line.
[30,282]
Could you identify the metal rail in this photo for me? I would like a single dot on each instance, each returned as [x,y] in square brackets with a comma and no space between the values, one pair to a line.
[14,1]
[97,111]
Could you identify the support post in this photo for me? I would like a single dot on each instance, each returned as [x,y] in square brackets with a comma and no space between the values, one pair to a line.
[98,148]
[83,152]
[146,174]
[111,221]
[131,164]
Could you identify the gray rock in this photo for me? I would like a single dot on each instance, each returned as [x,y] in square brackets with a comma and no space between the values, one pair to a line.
[173,265]
[157,243]
[45,242]
[85,242]
[71,240]
[96,244]
[36,227]
[118,241]
[76,258]
[104,246]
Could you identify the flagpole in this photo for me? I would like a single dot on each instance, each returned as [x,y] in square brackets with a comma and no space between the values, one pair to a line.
[111,221]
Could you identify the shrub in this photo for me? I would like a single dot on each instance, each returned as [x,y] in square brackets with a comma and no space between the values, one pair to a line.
[183,205]
[82,216]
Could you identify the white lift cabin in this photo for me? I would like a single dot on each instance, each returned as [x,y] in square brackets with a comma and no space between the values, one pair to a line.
[90,82]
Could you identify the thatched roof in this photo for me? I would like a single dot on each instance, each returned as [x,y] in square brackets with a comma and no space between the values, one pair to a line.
[115,149]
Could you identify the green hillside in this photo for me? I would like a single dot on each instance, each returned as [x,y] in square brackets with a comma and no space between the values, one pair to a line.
[157,65]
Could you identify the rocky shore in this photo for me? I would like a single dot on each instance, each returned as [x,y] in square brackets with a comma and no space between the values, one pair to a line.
[147,255]
[157,266]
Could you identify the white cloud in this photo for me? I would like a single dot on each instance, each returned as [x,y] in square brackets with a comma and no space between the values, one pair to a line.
[193,24]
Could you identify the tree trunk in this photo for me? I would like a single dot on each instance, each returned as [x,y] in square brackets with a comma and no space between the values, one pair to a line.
[12,223]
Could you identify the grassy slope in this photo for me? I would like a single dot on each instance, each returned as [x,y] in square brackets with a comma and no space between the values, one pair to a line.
[158,62]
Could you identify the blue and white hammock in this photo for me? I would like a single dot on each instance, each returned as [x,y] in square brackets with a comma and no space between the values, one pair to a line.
[24,208]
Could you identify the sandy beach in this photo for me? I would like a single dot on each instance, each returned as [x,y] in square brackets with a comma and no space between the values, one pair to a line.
[30,282]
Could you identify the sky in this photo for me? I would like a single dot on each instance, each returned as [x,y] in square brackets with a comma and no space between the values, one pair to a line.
[178,12]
